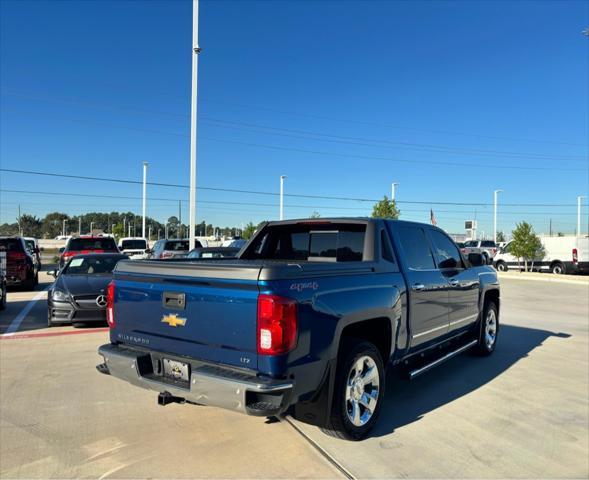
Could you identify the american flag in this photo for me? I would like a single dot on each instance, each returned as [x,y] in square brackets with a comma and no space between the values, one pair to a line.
[432,217]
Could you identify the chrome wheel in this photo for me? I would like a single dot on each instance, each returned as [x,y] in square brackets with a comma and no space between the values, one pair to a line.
[362,390]
[490,328]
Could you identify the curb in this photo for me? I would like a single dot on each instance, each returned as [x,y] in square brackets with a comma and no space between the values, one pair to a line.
[541,277]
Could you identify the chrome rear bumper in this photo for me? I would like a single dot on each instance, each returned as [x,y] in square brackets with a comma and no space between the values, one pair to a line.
[209,384]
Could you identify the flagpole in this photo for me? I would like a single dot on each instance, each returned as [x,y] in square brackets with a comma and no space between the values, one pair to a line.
[193,121]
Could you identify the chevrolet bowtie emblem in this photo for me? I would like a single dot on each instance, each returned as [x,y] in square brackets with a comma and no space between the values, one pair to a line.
[173,320]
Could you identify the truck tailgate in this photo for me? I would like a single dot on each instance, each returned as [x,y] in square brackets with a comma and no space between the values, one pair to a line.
[204,311]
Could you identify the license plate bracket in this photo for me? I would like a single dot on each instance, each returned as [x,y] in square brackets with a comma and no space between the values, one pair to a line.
[176,370]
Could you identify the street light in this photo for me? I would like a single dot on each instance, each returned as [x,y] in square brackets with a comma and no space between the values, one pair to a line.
[579,198]
[495,214]
[144,198]
[63,227]
[393,190]
[282,177]
[91,227]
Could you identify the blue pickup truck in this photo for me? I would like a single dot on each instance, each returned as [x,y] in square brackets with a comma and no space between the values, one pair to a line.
[304,320]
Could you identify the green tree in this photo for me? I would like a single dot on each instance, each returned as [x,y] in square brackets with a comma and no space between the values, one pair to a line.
[315,214]
[118,231]
[249,230]
[386,209]
[525,244]
[30,226]
[500,237]
[52,224]
[9,229]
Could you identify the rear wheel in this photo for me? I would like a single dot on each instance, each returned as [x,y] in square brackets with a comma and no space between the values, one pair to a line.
[29,283]
[501,266]
[489,328]
[359,392]
[558,268]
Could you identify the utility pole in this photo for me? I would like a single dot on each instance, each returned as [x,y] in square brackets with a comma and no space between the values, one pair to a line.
[282,177]
[19,224]
[193,120]
[495,214]
[159,232]
[80,225]
[180,218]
[124,225]
[129,230]
[91,227]
[579,198]
[393,190]
[144,198]
[63,227]
[551,227]
[149,234]
[166,231]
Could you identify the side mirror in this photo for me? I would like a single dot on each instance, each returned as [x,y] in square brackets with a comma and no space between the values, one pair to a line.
[53,273]
[148,250]
[61,250]
[476,259]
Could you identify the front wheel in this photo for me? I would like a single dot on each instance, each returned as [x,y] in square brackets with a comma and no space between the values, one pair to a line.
[359,392]
[489,328]
[501,266]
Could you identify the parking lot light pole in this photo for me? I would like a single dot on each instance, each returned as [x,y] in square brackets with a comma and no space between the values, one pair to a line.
[282,177]
[495,214]
[393,190]
[579,198]
[144,198]
[91,227]
[63,227]
[193,119]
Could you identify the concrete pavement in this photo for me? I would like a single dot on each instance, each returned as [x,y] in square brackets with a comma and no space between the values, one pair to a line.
[520,413]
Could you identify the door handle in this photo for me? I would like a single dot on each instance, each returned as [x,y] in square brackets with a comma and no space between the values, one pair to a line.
[453,283]
[418,287]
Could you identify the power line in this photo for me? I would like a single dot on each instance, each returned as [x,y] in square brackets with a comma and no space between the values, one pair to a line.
[342,138]
[272,205]
[257,192]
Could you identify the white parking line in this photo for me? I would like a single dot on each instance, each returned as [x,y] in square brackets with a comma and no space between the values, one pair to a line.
[13,327]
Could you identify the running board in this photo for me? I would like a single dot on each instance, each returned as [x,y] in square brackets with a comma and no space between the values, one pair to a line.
[415,373]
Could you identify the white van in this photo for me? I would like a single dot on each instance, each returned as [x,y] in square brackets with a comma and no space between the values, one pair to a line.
[562,255]
[133,246]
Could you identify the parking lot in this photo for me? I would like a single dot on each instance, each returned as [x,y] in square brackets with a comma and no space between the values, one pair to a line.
[521,413]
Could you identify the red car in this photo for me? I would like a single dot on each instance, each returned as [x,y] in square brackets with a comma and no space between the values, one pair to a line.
[87,244]
[20,265]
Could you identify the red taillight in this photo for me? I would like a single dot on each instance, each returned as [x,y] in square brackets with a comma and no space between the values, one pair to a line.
[110,304]
[575,256]
[17,255]
[277,324]
[67,255]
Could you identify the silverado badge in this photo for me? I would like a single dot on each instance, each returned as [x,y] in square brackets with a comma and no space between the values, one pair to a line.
[173,320]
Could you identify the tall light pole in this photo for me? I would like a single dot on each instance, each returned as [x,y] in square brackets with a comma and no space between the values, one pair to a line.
[495,214]
[282,177]
[144,198]
[579,198]
[193,118]
[393,190]
[63,227]
[91,227]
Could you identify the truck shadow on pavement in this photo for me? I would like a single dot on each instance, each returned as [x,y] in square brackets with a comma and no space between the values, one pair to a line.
[408,401]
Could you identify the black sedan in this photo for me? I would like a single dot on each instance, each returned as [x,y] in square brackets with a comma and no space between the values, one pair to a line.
[78,294]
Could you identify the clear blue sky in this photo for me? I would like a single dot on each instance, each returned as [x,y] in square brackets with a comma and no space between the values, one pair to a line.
[438,96]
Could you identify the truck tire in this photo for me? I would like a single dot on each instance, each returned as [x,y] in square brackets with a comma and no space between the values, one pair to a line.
[488,331]
[501,266]
[359,391]
[558,268]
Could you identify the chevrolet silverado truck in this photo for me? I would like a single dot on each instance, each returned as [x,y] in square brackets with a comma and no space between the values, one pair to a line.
[305,320]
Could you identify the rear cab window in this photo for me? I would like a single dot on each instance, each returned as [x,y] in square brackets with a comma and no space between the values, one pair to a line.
[312,241]
[134,244]
[178,245]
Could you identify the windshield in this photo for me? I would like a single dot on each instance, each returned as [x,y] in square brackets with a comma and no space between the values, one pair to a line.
[133,245]
[89,266]
[92,244]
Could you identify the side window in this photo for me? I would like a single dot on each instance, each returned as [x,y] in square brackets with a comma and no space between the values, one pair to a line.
[447,255]
[416,248]
[385,245]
